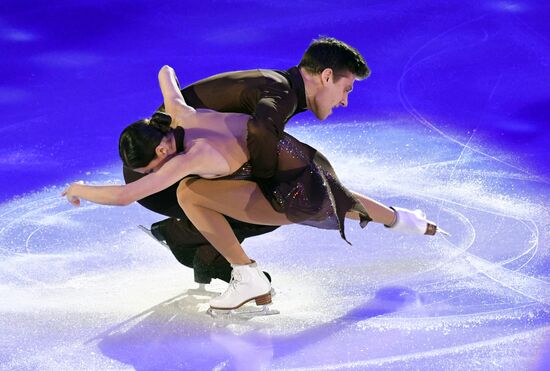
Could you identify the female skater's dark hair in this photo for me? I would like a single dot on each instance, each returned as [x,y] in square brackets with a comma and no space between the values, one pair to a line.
[327,52]
[137,143]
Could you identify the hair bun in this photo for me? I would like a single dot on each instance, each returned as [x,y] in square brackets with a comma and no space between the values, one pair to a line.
[161,121]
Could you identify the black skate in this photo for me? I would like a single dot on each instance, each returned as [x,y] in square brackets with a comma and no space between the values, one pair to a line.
[151,233]
[203,274]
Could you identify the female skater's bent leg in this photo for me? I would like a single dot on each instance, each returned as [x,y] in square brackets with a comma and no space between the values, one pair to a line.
[239,199]
[200,203]
[215,228]
[204,202]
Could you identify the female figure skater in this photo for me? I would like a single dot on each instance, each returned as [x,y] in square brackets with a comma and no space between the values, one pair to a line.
[212,145]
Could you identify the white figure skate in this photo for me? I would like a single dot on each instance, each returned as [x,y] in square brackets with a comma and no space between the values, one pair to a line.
[247,283]
[414,222]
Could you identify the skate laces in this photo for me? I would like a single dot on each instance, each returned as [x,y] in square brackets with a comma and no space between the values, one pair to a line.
[235,279]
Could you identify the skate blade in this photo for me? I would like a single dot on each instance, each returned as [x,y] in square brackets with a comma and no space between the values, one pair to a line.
[265,310]
[148,232]
[443,232]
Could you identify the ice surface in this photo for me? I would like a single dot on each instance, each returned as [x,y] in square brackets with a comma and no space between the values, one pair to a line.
[83,288]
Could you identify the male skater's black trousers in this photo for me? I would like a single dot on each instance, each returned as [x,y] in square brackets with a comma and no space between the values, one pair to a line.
[186,243]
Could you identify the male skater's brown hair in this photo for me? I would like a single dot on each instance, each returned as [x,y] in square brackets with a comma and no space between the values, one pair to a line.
[327,52]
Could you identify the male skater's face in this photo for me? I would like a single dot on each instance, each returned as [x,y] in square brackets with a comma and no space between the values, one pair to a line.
[332,94]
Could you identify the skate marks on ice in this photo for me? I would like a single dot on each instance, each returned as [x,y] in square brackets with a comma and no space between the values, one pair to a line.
[472,33]
[462,263]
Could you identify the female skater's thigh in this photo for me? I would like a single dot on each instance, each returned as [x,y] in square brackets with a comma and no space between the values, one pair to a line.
[239,199]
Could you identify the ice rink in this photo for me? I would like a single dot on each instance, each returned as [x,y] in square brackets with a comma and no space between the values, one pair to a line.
[453,121]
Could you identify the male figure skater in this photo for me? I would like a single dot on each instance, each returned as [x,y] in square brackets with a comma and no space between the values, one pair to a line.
[321,82]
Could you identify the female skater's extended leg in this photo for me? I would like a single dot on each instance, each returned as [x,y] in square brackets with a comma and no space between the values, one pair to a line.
[378,212]
[244,201]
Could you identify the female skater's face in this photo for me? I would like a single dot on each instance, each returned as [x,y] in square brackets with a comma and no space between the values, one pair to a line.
[332,94]
[164,151]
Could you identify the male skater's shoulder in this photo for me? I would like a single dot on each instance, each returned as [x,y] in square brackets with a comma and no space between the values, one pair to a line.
[241,91]
[326,72]
[270,97]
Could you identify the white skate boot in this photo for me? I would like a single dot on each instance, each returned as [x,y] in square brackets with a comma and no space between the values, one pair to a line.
[247,283]
[413,222]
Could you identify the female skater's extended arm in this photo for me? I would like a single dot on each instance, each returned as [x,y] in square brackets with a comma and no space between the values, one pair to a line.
[197,160]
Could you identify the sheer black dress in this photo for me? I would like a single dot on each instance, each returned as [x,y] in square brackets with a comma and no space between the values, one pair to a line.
[305,187]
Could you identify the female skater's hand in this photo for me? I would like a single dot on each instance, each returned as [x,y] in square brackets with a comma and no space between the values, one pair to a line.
[70,193]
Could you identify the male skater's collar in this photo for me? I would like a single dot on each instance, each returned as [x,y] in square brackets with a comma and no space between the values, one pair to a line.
[297,83]
[179,136]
